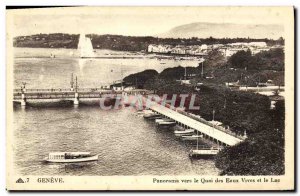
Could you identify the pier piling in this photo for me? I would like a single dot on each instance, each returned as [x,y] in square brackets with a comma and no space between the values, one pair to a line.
[76,99]
[23,100]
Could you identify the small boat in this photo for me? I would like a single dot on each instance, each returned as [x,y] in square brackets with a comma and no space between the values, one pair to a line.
[204,152]
[70,157]
[166,123]
[147,111]
[144,112]
[151,116]
[139,113]
[159,120]
[178,128]
[163,120]
[191,137]
[185,132]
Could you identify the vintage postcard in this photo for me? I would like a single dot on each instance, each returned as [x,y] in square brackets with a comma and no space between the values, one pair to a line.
[150,98]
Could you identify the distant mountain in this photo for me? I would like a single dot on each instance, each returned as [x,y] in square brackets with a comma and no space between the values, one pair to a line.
[222,30]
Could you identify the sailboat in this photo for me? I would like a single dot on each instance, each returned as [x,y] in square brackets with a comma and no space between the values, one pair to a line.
[85,47]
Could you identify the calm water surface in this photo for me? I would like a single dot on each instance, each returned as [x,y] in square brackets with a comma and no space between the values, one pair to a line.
[127,144]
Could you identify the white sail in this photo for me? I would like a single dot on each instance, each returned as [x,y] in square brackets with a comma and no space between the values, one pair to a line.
[85,47]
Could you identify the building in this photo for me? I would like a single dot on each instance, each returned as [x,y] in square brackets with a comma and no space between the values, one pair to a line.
[258,44]
[202,50]
[117,86]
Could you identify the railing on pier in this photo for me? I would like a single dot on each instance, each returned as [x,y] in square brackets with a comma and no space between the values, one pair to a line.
[202,126]
[202,120]
[39,95]
[63,93]
[61,90]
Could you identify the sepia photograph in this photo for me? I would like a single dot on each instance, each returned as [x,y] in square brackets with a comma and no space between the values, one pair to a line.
[150,98]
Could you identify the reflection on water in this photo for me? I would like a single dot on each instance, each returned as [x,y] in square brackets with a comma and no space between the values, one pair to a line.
[72,168]
[82,63]
[126,143]
[56,72]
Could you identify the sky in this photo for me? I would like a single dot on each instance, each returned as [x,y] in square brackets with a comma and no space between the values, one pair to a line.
[134,21]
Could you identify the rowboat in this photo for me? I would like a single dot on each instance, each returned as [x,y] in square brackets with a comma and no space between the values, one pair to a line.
[166,123]
[144,112]
[178,128]
[70,157]
[204,152]
[191,137]
[151,116]
[185,132]
[158,120]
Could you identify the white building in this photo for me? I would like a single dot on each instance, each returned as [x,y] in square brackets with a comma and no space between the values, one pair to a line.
[153,48]
[258,44]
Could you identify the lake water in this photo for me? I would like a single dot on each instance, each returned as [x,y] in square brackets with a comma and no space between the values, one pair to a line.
[126,143]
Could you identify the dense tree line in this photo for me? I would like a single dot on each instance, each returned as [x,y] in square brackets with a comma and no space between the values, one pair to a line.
[262,153]
[138,79]
[123,43]
[56,40]
[243,67]
[133,43]
[265,60]
[239,111]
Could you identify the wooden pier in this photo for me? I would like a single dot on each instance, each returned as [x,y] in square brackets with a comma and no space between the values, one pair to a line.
[208,132]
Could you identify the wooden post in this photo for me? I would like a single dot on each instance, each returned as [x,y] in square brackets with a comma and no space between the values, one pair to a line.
[76,98]
[202,70]
[72,83]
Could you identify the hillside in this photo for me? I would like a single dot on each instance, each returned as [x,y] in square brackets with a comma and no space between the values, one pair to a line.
[56,40]
[221,30]
[119,42]
[262,153]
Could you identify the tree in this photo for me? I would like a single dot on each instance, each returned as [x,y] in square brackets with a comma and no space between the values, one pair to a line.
[241,59]
[139,79]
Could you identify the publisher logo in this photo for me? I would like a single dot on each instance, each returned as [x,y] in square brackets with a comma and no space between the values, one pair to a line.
[20,181]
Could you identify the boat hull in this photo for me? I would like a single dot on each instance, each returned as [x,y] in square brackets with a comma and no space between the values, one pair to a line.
[79,160]
[197,156]
[152,117]
[166,124]
[190,138]
[204,153]
[183,133]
